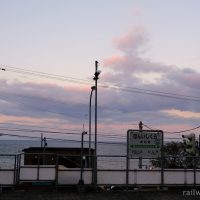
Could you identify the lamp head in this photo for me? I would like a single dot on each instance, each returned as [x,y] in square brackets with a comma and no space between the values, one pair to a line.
[98,72]
[93,88]
[84,132]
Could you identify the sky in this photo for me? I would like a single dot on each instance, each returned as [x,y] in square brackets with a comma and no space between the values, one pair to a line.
[148,52]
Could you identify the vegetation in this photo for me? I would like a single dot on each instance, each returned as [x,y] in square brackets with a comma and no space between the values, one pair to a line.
[175,157]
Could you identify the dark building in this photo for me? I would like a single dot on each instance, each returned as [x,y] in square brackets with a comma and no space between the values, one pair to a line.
[68,157]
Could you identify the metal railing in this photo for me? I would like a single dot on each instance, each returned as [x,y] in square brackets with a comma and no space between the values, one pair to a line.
[63,170]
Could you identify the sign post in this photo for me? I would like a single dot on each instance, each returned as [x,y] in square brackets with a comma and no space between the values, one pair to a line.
[144,144]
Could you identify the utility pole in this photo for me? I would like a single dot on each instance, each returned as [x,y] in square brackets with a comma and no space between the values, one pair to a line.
[92,89]
[41,140]
[43,146]
[96,77]
[140,130]
[81,181]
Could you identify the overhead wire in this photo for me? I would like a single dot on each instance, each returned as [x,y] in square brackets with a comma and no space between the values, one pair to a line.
[43,127]
[61,139]
[174,132]
[111,136]
[44,74]
[57,129]
[70,133]
[114,136]
[158,94]
[108,86]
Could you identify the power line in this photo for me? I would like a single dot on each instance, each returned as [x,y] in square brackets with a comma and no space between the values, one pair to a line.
[66,133]
[183,131]
[33,126]
[76,133]
[59,139]
[116,87]
[57,132]
[154,91]
[175,132]
[44,74]
[57,129]
[158,94]
[108,86]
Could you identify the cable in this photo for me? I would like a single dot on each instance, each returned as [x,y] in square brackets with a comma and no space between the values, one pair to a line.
[66,129]
[28,130]
[125,89]
[116,87]
[59,139]
[183,131]
[57,132]
[76,133]
[43,74]
[169,138]
[175,132]
[154,91]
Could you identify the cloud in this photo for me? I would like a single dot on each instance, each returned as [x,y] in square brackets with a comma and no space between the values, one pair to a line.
[43,100]
[113,60]
[132,41]
[121,94]
[130,69]
[131,60]
[182,114]
[186,77]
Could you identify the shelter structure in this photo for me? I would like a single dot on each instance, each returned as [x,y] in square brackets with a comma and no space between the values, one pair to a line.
[68,157]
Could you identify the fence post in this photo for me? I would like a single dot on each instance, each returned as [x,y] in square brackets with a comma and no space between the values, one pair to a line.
[18,168]
[194,167]
[56,178]
[127,161]
[162,163]
[15,170]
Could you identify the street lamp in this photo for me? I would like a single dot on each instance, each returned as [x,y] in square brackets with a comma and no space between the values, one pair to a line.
[43,146]
[92,89]
[81,181]
[96,77]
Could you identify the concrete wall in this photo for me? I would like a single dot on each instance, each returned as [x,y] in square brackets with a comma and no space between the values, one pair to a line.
[69,176]
[6,177]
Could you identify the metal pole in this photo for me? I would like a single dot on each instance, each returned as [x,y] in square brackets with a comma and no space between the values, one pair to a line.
[15,171]
[194,168]
[41,140]
[95,151]
[199,146]
[92,88]
[56,178]
[81,181]
[127,161]
[162,161]
[82,158]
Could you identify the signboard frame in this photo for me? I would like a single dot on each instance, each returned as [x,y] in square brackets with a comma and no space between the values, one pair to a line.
[151,141]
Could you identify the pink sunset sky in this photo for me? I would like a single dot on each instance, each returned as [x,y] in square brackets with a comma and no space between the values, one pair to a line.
[143,48]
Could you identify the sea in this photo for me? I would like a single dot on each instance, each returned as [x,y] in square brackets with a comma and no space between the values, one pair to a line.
[110,155]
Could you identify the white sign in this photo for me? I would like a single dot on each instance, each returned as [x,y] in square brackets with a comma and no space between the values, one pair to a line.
[145,143]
